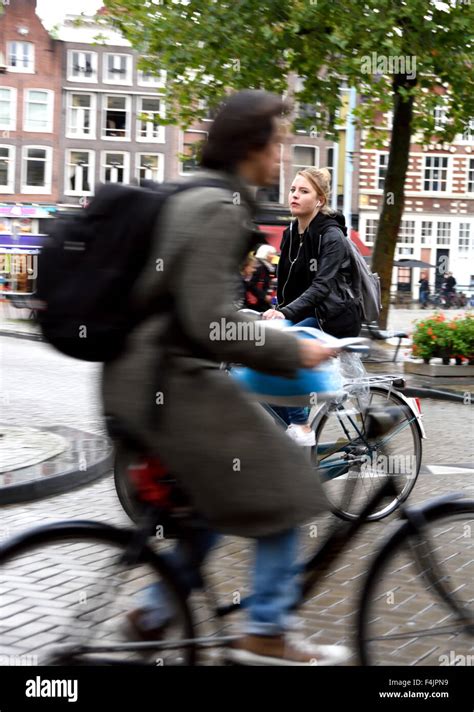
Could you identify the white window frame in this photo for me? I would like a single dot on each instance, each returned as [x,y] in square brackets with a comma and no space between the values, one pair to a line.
[128,77]
[160,170]
[426,238]
[13,109]
[443,239]
[33,189]
[31,59]
[128,123]
[49,109]
[385,154]
[298,167]
[470,174]
[440,116]
[154,81]
[91,164]
[93,115]
[464,238]
[449,175]
[10,187]
[126,165]
[467,137]
[181,151]
[406,233]
[160,138]
[82,77]
[370,240]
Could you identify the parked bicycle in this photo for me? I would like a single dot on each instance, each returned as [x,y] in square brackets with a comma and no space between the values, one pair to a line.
[343,452]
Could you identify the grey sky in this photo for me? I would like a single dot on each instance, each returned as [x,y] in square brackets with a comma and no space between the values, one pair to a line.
[52,11]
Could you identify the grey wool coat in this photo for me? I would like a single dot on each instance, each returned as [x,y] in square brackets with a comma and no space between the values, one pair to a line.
[240,469]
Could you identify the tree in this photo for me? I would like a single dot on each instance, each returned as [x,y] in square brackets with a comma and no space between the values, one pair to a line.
[404,56]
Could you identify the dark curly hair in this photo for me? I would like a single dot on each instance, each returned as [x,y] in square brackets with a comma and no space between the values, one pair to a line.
[244,123]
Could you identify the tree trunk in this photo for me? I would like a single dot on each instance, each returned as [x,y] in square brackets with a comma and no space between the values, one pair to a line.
[394,194]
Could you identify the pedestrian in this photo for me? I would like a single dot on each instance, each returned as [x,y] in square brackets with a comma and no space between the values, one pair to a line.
[262,277]
[424,290]
[314,275]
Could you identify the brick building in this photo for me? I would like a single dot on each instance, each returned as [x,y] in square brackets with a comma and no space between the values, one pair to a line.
[30,119]
[438,219]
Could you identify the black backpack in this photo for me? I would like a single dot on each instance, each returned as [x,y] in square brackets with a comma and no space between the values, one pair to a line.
[87,269]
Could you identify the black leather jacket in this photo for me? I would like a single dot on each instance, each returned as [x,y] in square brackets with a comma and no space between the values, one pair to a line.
[318,282]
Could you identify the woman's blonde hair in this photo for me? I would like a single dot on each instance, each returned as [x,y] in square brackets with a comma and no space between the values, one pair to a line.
[320,179]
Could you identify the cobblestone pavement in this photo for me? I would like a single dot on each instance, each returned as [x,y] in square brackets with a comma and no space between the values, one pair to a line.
[43,387]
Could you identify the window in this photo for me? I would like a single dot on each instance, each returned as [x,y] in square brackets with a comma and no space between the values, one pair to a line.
[440,115]
[468,133]
[149,167]
[149,113]
[307,118]
[7,169]
[36,175]
[118,68]
[443,233]
[470,176]
[39,110]
[436,173]
[382,165]
[115,167]
[7,109]
[79,173]
[147,79]
[305,157]
[426,232]
[80,116]
[192,141]
[117,117]
[371,227]
[21,57]
[407,232]
[464,237]
[82,66]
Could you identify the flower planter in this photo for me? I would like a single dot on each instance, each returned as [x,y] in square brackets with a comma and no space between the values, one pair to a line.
[437,339]
[434,369]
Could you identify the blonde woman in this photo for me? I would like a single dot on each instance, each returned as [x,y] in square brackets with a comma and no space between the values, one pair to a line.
[314,273]
[262,278]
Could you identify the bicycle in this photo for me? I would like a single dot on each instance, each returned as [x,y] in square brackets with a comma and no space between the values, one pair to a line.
[343,452]
[416,603]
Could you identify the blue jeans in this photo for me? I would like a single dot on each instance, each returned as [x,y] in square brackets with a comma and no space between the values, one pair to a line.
[297,416]
[275,587]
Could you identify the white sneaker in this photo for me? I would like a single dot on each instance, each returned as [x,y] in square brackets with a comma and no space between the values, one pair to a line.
[278,650]
[301,436]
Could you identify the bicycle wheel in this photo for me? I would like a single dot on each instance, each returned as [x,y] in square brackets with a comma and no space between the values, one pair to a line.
[403,619]
[351,468]
[65,590]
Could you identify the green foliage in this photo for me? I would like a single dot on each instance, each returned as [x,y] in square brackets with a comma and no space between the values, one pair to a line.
[437,337]
[206,46]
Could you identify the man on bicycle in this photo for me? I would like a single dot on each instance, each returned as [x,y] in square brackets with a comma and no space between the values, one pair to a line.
[241,474]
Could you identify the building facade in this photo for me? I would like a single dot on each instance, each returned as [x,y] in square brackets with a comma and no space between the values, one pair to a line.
[30,124]
[111,111]
[438,219]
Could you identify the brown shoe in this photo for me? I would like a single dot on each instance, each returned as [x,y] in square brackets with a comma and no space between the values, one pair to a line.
[278,650]
[138,632]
